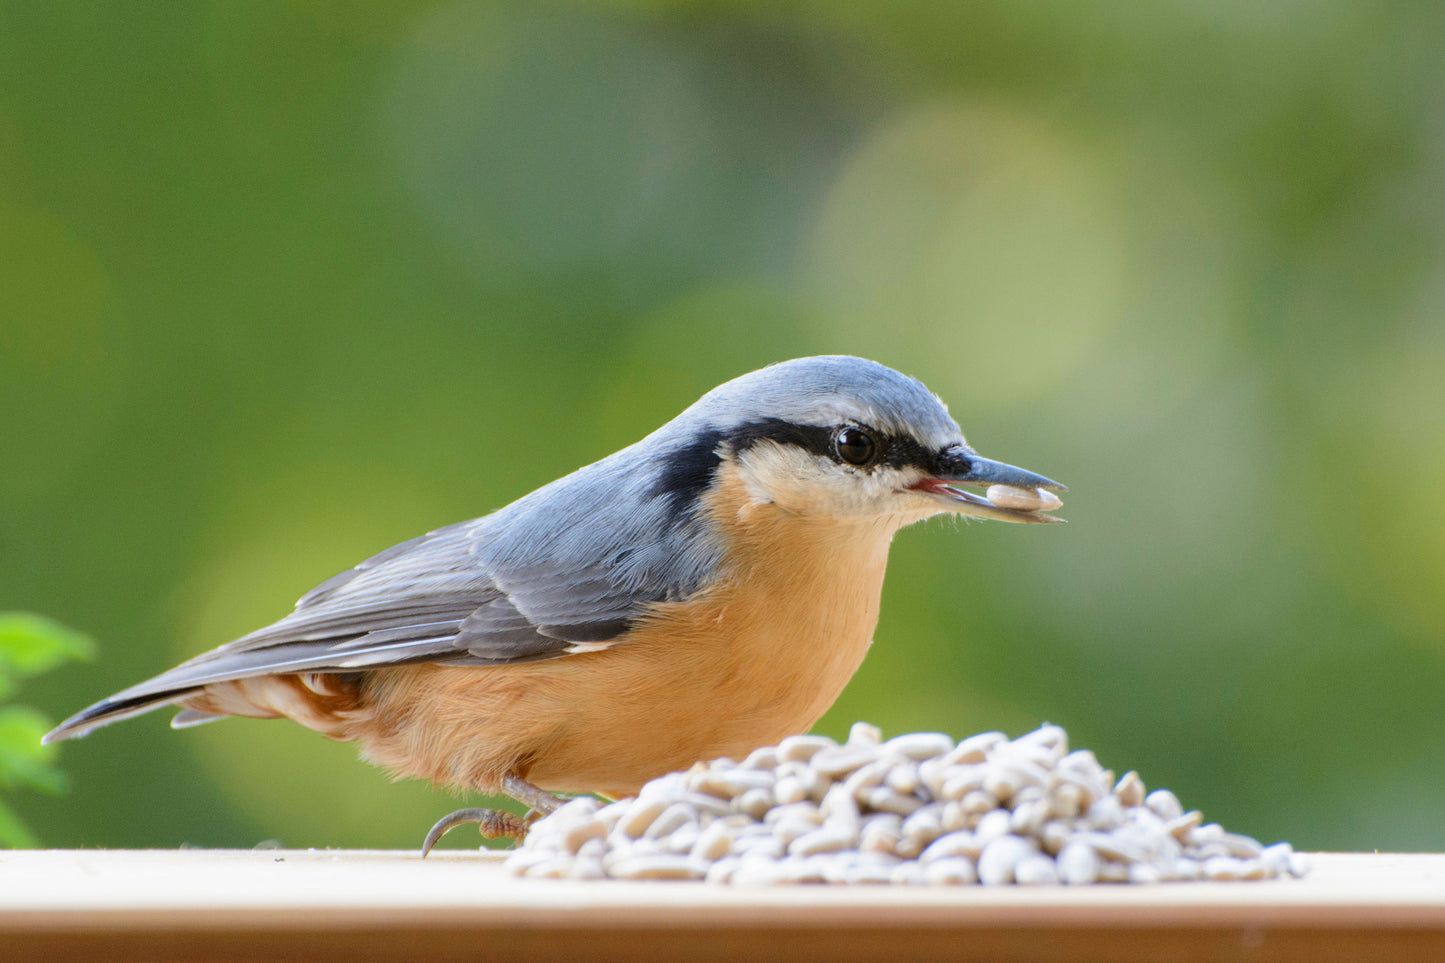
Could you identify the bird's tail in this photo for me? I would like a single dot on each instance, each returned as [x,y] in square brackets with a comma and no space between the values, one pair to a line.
[117,707]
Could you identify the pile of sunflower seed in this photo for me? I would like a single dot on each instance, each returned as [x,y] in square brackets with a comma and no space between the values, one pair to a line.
[916,809]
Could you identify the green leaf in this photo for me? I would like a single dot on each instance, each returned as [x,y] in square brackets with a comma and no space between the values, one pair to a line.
[31,644]
[23,760]
[13,832]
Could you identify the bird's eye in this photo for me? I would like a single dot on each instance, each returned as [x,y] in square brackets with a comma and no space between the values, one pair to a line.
[854,445]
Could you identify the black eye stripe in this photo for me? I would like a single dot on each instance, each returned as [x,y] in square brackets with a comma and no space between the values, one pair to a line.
[686,473]
[903,451]
[819,441]
[890,450]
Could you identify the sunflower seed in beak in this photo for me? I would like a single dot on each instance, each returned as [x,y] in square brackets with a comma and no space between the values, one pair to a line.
[1023,499]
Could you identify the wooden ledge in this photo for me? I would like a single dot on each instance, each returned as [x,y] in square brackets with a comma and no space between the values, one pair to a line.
[366,905]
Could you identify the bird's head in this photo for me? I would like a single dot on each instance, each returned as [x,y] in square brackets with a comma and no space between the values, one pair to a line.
[847,438]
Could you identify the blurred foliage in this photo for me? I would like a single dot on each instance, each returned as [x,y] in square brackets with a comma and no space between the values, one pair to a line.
[29,645]
[287,281]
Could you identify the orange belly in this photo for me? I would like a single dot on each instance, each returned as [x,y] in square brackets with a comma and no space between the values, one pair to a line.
[760,654]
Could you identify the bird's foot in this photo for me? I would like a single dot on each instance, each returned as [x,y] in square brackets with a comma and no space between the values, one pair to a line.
[496,823]
[491,823]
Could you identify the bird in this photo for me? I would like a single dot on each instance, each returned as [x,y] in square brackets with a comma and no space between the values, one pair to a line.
[705,591]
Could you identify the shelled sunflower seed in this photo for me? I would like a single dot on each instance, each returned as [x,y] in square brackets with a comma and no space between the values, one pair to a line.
[916,809]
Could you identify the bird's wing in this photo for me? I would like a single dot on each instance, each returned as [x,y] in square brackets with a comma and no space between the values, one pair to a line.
[567,569]
[444,598]
[439,598]
[432,599]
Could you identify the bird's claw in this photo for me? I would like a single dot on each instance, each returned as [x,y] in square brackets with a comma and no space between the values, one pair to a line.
[491,823]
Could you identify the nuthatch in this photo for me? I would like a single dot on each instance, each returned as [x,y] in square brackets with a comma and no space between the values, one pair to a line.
[705,591]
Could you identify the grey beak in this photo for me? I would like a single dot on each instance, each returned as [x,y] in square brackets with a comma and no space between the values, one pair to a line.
[960,466]
[974,470]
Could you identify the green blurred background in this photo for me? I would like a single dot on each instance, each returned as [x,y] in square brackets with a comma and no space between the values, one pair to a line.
[283,283]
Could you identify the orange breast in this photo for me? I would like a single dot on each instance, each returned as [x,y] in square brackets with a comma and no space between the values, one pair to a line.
[761,654]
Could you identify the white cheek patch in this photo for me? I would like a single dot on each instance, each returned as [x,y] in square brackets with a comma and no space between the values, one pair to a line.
[782,473]
[800,481]
[888,482]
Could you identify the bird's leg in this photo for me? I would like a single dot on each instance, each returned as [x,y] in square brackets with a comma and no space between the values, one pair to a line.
[524,792]
[495,823]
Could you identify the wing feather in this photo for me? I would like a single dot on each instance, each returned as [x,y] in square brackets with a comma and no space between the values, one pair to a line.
[560,571]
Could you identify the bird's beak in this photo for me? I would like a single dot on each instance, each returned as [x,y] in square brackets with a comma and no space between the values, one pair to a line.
[961,466]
